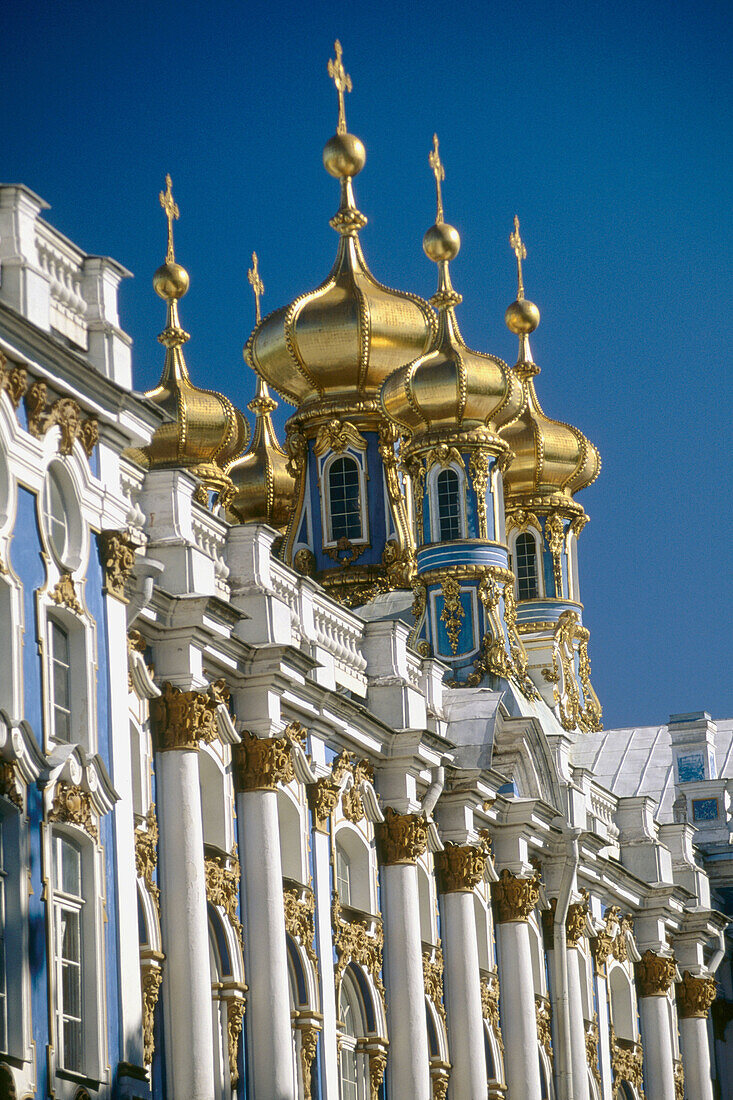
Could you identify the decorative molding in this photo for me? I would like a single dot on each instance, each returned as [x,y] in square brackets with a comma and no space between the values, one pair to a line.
[235,1015]
[118,560]
[300,906]
[443,454]
[401,838]
[222,885]
[460,867]
[515,897]
[10,786]
[490,992]
[695,995]
[73,806]
[180,720]
[655,974]
[64,594]
[151,977]
[64,412]
[337,435]
[432,969]
[627,1062]
[14,380]
[146,853]
[261,763]
[521,519]
[543,1013]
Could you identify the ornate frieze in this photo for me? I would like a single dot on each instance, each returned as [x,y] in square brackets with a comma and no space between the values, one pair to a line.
[627,1062]
[307,1052]
[182,719]
[10,783]
[401,838]
[222,885]
[66,413]
[300,907]
[575,923]
[14,380]
[460,867]
[73,805]
[235,1016]
[695,995]
[118,560]
[261,763]
[146,852]
[355,940]
[151,977]
[514,897]
[655,974]
[592,1039]
[432,969]
[543,1012]
[64,594]
[490,991]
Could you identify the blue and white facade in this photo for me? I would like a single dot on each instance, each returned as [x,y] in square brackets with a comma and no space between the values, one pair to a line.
[256,843]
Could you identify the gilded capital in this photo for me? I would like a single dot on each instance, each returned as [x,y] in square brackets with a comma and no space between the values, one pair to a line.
[182,719]
[695,995]
[515,897]
[401,838]
[460,867]
[260,763]
[655,974]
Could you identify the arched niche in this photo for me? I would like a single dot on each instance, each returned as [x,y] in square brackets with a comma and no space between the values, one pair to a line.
[215,802]
[353,873]
[291,837]
[621,994]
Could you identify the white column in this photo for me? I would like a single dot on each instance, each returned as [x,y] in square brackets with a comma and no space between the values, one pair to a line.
[462,985]
[696,1058]
[578,1056]
[518,1016]
[657,1042]
[324,942]
[259,764]
[189,1045]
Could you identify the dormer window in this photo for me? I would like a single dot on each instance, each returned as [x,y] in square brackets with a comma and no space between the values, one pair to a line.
[449,506]
[344,500]
[525,554]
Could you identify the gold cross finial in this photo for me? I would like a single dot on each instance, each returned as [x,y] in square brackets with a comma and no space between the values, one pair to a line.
[439,172]
[520,251]
[257,285]
[342,80]
[170,206]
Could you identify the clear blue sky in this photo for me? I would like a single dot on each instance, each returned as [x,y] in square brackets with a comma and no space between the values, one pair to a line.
[606,127]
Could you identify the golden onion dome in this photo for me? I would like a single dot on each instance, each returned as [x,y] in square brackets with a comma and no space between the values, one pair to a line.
[553,460]
[205,432]
[450,386]
[346,336]
[263,485]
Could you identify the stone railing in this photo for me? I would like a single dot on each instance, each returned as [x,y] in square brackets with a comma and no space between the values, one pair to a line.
[601,807]
[285,585]
[63,264]
[340,633]
[209,536]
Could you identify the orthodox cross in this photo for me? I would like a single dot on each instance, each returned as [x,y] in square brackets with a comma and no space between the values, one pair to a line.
[257,285]
[520,251]
[439,172]
[342,80]
[170,206]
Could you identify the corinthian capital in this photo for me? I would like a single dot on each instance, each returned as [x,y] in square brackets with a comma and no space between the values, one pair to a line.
[401,838]
[460,868]
[182,719]
[655,974]
[695,996]
[260,763]
[515,897]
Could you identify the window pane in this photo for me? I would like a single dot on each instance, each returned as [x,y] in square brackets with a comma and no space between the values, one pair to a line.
[344,499]
[449,508]
[526,554]
[343,876]
[68,867]
[55,514]
[60,681]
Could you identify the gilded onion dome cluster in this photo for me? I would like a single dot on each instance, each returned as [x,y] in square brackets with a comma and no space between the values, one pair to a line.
[263,485]
[205,431]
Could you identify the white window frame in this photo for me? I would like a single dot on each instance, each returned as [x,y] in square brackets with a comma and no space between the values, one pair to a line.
[69,558]
[81,633]
[535,536]
[359,458]
[436,470]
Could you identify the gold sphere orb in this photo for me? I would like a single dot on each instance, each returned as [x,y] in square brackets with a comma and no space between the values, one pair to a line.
[441,242]
[170,281]
[343,156]
[522,317]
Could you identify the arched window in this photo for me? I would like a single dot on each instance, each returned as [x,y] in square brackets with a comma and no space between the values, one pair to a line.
[344,499]
[59,681]
[56,515]
[343,875]
[449,505]
[353,1065]
[525,553]
[68,907]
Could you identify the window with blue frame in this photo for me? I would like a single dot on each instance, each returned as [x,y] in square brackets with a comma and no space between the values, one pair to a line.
[344,499]
[525,554]
[449,506]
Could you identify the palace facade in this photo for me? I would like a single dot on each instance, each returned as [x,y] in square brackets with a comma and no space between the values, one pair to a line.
[304,791]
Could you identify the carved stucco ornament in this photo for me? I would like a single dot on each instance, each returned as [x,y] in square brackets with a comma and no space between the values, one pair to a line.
[180,720]
[460,867]
[432,969]
[118,560]
[235,1015]
[261,763]
[14,380]
[66,414]
[308,1047]
[695,995]
[73,805]
[222,886]
[377,1066]
[337,435]
[453,611]
[479,471]
[323,798]
[401,838]
[10,786]
[64,594]
[151,976]
[543,1013]
[571,638]
[515,897]
[592,1039]
[146,853]
[627,1062]
[490,992]
[355,940]
[300,907]
[655,974]
[679,1080]
[575,924]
